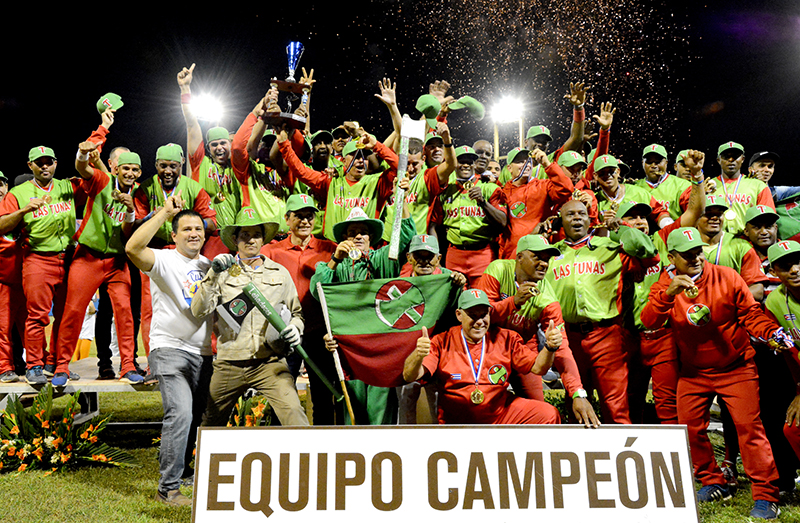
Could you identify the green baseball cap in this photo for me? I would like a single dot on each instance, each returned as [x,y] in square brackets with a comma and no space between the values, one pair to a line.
[431,136]
[472,297]
[357,215]
[779,250]
[684,239]
[324,135]
[246,217]
[217,133]
[297,202]
[466,150]
[536,243]
[604,161]
[513,153]
[429,106]
[729,145]
[171,152]
[109,101]
[3,177]
[570,158]
[760,210]
[424,242]
[473,106]
[539,130]
[682,156]
[714,200]
[656,149]
[351,146]
[129,158]
[40,151]
[628,206]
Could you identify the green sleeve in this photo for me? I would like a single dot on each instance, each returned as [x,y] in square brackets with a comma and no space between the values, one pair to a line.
[323,274]
[386,268]
[634,242]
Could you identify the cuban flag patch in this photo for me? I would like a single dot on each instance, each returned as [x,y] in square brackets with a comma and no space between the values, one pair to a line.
[455,376]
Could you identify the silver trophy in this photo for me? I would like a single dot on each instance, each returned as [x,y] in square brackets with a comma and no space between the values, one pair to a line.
[293,53]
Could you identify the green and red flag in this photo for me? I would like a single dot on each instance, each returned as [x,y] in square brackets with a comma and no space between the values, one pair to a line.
[377,322]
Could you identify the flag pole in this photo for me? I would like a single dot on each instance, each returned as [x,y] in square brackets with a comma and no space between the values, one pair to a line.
[337,362]
[276,321]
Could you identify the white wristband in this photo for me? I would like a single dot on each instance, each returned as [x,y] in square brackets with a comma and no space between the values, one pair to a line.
[130,217]
[82,157]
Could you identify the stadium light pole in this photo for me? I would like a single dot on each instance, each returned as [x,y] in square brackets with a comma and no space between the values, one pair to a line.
[506,110]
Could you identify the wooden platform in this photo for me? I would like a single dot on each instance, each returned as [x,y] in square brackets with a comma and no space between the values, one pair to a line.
[89,387]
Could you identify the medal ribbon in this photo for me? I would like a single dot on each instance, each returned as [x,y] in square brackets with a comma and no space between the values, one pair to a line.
[475,373]
[719,248]
[729,197]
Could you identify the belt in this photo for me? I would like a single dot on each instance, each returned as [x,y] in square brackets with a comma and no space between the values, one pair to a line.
[471,246]
[654,334]
[586,327]
[60,255]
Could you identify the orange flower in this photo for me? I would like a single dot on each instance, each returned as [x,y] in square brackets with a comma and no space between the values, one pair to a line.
[99,457]
[93,439]
[58,441]
[21,453]
[46,424]
[236,419]
[1,465]
[249,421]
[65,457]
[14,430]
[38,453]
[85,435]
[12,451]
[22,467]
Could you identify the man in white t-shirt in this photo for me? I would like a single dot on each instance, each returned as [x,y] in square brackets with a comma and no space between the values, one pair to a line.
[180,355]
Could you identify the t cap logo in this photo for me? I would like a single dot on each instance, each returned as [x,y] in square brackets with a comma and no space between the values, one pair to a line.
[106,102]
[688,235]
[249,213]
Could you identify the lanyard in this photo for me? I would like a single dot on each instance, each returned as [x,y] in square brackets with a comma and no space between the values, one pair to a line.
[475,372]
[729,197]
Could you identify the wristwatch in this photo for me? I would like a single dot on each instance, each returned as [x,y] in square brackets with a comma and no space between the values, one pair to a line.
[580,393]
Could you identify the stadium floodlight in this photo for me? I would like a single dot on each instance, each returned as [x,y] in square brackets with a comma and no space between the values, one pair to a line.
[507,110]
[207,108]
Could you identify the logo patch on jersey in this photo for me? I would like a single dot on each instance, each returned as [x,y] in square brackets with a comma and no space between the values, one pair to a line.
[790,317]
[498,374]
[238,307]
[455,376]
[190,285]
[518,210]
[698,315]
[399,304]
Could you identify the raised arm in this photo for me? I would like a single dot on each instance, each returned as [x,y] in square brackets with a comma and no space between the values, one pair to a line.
[444,169]
[697,198]
[137,250]
[194,134]
[388,95]
[577,97]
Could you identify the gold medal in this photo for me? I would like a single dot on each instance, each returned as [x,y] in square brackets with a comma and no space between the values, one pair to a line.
[476,396]
[534,290]
[692,292]
[576,195]
[116,194]
[235,270]
[354,254]
[468,185]
[47,198]
[220,196]
[730,214]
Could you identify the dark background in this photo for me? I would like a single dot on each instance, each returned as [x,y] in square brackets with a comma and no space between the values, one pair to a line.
[684,76]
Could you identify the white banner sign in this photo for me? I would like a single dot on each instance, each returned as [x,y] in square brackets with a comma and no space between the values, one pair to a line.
[418,473]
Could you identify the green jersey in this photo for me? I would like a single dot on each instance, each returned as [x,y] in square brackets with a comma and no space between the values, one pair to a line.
[465,221]
[741,193]
[670,191]
[222,188]
[103,216]
[150,196]
[50,227]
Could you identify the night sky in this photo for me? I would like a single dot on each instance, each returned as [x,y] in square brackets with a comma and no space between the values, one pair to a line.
[686,78]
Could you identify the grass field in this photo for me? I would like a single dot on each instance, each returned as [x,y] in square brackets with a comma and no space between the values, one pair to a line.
[96,494]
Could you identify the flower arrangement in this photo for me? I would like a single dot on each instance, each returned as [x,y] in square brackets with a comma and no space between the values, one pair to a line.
[31,439]
[251,412]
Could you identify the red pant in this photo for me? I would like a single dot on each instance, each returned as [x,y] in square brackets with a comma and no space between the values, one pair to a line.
[521,411]
[661,355]
[738,388]
[470,263]
[87,272]
[13,313]
[603,365]
[792,433]
[44,280]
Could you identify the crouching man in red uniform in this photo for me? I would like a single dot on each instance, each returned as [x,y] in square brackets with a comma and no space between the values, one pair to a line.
[711,311]
[470,365]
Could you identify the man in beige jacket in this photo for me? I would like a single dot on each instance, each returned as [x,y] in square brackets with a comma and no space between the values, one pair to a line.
[250,352]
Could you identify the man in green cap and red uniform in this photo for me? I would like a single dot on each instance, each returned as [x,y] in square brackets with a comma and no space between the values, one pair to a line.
[523,301]
[668,190]
[474,214]
[712,315]
[475,389]
[530,201]
[300,252]
[44,209]
[100,257]
[740,192]
[10,293]
[588,279]
[344,193]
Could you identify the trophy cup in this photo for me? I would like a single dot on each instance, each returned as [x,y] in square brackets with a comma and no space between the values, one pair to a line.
[293,52]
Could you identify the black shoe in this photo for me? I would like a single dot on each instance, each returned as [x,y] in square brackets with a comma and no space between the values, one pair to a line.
[106,373]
